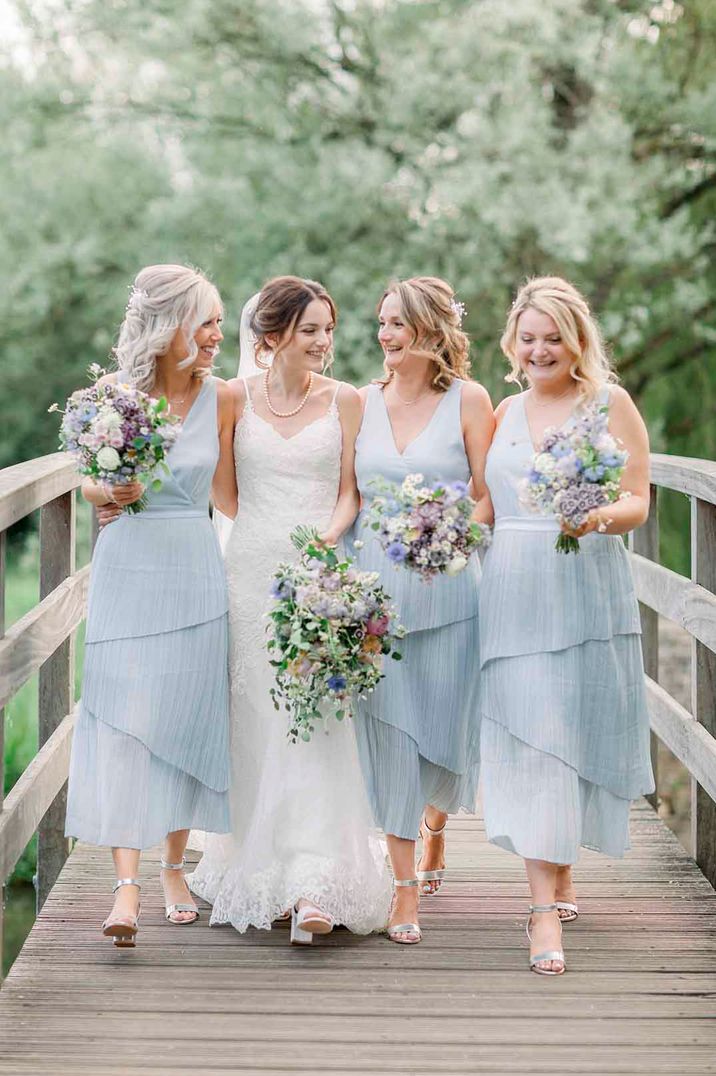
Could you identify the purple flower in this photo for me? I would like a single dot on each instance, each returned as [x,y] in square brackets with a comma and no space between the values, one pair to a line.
[397,552]
[336,683]
[280,589]
[459,487]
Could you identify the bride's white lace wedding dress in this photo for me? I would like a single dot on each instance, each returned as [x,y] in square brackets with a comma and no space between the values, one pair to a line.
[301,823]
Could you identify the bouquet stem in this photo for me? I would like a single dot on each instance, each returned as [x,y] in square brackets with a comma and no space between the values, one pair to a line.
[567,544]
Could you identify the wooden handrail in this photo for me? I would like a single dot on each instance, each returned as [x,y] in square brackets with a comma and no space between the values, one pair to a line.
[28,486]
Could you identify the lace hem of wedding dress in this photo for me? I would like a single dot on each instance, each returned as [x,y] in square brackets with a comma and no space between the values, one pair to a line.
[361,903]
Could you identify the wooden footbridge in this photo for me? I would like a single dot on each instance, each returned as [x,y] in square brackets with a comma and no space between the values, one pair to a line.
[640,992]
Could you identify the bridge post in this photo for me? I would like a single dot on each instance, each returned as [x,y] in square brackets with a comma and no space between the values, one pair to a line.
[645,541]
[703,684]
[57,561]
[2,738]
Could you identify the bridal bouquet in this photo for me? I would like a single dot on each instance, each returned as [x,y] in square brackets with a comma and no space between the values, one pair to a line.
[575,471]
[331,629]
[426,528]
[117,434]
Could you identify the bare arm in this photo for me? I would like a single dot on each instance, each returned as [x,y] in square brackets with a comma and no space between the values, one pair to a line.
[478,427]
[351,412]
[627,425]
[223,487]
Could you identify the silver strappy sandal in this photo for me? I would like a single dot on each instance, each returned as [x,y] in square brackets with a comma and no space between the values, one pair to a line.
[436,876]
[170,909]
[571,909]
[122,929]
[551,954]
[405,928]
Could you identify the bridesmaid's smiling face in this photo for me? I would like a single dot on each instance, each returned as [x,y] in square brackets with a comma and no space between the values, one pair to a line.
[394,335]
[540,350]
[207,338]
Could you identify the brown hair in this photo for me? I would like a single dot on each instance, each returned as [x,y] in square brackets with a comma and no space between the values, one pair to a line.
[560,300]
[430,310]
[280,305]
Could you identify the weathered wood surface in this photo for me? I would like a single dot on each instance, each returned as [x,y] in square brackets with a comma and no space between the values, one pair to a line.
[27,486]
[703,686]
[695,477]
[644,547]
[638,996]
[56,685]
[36,636]
[690,741]
[688,604]
[29,799]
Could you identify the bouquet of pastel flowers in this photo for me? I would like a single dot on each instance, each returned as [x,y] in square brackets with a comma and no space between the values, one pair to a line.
[117,434]
[577,469]
[426,527]
[332,627]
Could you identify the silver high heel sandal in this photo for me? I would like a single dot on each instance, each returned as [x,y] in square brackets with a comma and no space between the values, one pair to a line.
[438,875]
[404,928]
[123,928]
[571,909]
[170,909]
[307,921]
[551,954]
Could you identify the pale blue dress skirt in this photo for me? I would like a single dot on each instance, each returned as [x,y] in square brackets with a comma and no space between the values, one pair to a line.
[418,732]
[150,749]
[565,725]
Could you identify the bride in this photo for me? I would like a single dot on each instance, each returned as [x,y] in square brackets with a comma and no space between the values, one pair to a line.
[302,839]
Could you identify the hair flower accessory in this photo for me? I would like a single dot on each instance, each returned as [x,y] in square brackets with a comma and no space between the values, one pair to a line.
[137,296]
[458,308]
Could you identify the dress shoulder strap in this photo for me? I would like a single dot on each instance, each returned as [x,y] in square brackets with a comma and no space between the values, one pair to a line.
[334,398]
[249,402]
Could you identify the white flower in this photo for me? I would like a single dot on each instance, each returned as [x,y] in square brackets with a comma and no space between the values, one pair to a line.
[108,458]
[545,463]
[455,565]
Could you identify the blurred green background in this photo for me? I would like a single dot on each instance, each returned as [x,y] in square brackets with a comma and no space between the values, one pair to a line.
[354,141]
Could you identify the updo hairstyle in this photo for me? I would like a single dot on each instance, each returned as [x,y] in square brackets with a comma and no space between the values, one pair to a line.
[430,309]
[278,310]
[561,301]
[164,298]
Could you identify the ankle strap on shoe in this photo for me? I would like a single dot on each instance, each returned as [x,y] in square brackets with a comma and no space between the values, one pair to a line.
[431,831]
[172,866]
[126,881]
[405,882]
[543,907]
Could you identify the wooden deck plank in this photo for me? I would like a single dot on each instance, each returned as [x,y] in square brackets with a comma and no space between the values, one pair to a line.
[639,995]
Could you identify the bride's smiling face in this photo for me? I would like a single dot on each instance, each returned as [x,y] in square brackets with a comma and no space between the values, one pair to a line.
[310,345]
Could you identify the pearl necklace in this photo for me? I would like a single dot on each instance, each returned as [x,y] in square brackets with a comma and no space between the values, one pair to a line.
[286,414]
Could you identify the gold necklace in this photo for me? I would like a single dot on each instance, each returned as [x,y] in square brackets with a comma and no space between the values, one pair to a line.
[286,414]
[555,399]
[409,403]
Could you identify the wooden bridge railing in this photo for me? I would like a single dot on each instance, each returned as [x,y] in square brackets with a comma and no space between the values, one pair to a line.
[692,605]
[43,640]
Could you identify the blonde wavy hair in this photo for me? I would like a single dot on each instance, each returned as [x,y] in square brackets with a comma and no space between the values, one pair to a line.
[163,298]
[561,301]
[429,308]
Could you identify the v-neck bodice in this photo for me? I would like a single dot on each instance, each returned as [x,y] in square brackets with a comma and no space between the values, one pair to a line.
[438,453]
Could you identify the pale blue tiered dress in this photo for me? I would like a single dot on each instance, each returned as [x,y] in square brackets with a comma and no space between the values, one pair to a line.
[150,753]
[418,733]
[565,727]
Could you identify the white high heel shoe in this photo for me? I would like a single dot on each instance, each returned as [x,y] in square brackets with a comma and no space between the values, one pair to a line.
[551,956]
[307,921]
[172,909]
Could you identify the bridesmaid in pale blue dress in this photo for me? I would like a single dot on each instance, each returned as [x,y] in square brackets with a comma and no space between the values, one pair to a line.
[418,732]
[150,756]
[565,727]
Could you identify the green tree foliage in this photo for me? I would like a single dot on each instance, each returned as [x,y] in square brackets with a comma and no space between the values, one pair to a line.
[355,140]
